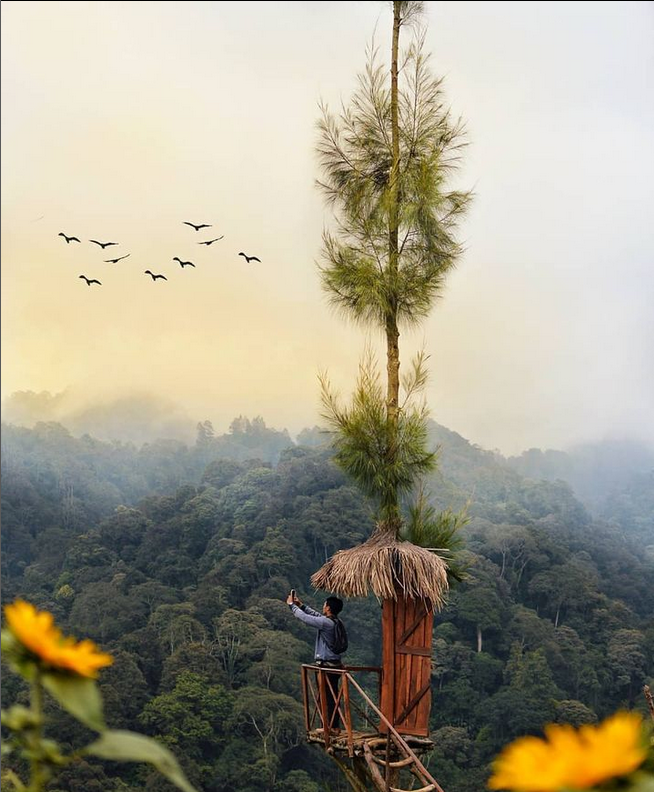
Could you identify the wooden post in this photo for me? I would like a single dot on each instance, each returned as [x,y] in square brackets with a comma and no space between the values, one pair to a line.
[348,714]
[323,706]
[387,772]
[305,696]
[649,700]
[387,697]
[376,776]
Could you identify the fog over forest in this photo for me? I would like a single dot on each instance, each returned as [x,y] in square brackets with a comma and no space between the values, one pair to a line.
[593,469]
[543,336]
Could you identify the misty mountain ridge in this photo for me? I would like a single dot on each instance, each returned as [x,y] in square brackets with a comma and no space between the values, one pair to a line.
[171,554]
[137,418]
[608,477]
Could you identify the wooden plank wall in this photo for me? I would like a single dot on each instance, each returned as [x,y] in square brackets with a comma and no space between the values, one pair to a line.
[406,656]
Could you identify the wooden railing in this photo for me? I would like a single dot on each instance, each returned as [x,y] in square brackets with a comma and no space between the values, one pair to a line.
[364,722]
[318,683]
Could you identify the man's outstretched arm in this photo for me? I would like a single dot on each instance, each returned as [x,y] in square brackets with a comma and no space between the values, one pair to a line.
[313,618]
[306,614]
[307,609]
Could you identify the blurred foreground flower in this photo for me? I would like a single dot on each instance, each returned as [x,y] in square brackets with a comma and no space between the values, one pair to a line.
[36,631]
[38,651]
[572,758]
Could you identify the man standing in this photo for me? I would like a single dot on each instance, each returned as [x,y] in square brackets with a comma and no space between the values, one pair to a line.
[331,643]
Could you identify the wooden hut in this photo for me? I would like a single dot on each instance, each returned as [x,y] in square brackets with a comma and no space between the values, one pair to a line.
[411,582]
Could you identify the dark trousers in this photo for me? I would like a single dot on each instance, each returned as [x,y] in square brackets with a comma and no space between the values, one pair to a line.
[332,681]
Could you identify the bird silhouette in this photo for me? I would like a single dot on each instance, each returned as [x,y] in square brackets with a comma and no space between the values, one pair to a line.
[89,281]
[248,259]
[154,277]
[67,238]
[116,260]
[103,245]
[211,241]
[183,264]
[197,227]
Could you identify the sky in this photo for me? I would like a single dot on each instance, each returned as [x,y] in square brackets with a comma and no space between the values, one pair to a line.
[122,120]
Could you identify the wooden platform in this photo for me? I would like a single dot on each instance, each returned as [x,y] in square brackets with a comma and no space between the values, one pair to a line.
[375,742]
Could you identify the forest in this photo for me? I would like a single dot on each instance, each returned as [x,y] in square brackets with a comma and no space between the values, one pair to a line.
[176,558]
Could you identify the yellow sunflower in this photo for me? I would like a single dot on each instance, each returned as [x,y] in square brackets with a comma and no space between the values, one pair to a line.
[37,632]
[570,758]
[614,748]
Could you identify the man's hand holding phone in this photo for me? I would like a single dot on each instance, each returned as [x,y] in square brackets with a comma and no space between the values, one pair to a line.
[292,599]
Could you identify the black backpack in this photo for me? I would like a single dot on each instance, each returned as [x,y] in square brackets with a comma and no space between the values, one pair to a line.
[339,640]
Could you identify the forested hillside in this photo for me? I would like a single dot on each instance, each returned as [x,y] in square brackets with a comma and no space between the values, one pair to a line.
[176,559]
[614,479]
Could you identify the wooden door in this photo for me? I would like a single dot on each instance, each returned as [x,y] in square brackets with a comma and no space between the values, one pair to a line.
[406,664]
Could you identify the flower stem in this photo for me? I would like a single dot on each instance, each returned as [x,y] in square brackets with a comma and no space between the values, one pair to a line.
[37,774]
[10,776]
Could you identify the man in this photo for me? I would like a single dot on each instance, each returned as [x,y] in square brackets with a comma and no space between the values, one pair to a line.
[330,644]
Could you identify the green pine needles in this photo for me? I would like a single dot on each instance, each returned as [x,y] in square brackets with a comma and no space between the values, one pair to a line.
[385,162]
[365,437]
[355,155]
[438,532]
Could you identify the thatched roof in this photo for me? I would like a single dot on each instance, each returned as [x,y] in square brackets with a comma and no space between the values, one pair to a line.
[385,566]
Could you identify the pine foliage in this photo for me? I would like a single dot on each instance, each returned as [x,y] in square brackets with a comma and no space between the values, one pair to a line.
[364,434]
[355,155]
[439,532]
[386,160]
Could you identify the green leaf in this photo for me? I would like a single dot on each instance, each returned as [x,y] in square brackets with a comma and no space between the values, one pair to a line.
[128,746]
[79,696]
[18,717]
[17,656]
[642,782]
[8,641]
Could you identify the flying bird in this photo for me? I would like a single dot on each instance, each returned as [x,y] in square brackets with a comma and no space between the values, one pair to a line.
[211,241]
[183,264]
[197,227]
[103,245]
[116,260]
[89,281]
[154,277]
[248,259]
[67,238]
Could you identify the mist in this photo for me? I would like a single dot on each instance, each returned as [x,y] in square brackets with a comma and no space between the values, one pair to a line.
[543,336]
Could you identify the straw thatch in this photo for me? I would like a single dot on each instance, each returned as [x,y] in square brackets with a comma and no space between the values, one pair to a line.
[387,567]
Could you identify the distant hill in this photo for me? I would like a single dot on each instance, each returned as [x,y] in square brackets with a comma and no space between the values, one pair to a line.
[614,479]
[177,557]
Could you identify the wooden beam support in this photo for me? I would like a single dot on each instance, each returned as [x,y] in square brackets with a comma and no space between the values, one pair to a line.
[403,715]
[374,772]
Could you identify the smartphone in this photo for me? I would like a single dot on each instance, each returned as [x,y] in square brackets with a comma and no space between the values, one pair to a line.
[293,593]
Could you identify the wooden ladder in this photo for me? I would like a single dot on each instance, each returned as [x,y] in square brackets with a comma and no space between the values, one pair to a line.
[409,761]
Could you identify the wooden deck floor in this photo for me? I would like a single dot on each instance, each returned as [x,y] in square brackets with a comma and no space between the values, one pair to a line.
[339,742]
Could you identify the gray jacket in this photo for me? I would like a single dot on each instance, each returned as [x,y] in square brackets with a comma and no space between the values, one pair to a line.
[325,627]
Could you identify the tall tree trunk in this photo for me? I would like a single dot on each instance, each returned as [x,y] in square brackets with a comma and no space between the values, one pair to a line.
[392,332]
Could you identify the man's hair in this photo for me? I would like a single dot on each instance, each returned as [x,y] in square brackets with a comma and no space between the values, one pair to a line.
[334,604]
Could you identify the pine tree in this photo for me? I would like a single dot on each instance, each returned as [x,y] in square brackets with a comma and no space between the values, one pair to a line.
[385,160]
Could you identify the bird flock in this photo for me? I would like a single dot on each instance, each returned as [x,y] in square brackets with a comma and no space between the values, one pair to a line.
[155,276]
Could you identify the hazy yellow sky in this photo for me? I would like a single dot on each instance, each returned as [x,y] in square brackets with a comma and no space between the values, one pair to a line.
[121,120]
